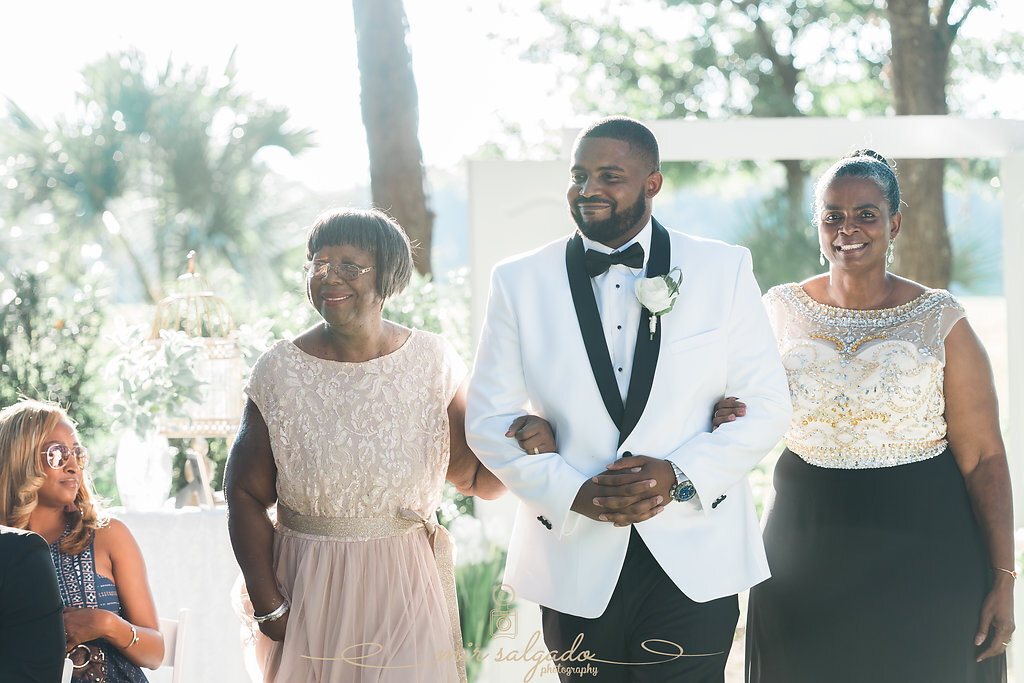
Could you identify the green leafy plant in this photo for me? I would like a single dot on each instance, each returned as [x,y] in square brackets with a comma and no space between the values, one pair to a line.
[155,379]
[51,349]
[478,567]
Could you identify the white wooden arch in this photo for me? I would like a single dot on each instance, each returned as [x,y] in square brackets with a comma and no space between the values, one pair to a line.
[518,205]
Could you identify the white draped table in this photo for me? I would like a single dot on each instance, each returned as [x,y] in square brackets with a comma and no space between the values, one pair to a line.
[190,564]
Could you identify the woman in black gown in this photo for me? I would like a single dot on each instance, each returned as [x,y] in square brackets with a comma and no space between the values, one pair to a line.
[890,534]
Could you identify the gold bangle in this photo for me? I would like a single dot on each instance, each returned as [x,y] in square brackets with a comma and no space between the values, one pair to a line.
[135,637]
[1013,574]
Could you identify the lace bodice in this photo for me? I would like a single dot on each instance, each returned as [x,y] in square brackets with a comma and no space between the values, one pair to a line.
[866,386]
[359,439]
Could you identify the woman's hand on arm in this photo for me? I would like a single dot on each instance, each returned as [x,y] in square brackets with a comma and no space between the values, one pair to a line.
[972,419]
[727,410]
[533,433]
[128,571]
[250,487]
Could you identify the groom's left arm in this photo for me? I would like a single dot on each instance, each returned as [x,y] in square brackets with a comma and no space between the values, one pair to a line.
[716,460]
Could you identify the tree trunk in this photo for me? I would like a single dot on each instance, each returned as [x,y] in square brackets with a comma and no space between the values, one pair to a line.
[796,209]
[921,41]
[391,118]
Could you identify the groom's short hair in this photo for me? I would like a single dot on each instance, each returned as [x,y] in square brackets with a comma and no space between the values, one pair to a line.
[639,137]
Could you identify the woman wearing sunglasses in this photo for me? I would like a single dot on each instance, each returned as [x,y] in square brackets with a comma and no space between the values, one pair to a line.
[110,620]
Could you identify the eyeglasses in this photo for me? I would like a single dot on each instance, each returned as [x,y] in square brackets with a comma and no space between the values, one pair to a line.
[57,455]
[346,271]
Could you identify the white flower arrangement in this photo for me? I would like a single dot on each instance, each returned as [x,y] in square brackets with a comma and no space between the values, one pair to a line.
[658,294]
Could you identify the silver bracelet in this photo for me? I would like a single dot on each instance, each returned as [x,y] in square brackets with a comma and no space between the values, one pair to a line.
[135,636]
[274,615]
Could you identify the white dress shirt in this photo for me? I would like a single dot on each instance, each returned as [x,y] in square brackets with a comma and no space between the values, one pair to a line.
[619,308]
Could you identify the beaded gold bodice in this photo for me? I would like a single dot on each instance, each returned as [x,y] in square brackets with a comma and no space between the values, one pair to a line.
[866,385]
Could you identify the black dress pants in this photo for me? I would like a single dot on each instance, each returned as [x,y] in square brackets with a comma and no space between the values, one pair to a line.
[647,622]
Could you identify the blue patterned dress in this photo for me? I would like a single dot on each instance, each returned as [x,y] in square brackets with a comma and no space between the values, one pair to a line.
[81,586]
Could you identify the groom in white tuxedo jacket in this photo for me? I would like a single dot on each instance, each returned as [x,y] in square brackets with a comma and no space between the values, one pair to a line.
[637,534]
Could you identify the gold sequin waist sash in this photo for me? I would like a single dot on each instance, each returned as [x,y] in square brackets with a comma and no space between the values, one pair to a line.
[365,528]
[865,457]
[292,523]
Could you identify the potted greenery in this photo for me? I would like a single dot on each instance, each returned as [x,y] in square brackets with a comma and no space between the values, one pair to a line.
[155,381]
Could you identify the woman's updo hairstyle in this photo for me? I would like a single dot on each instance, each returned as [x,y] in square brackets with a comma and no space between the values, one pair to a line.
[862,163]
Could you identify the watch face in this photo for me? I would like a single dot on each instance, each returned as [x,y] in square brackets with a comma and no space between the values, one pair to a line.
[684,491]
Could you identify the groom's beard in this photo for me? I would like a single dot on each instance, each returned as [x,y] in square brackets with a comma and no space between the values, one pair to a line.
[613,227]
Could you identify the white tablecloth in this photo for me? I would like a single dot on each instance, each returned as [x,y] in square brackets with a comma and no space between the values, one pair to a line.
[190,564]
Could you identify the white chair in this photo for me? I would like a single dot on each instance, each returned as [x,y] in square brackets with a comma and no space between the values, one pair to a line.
[65,677]
[174,632]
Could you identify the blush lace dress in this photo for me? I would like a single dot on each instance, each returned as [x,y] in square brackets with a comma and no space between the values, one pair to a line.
[878,566]
[361,451]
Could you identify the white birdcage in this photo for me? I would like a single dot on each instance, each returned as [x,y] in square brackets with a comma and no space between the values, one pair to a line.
[194,309]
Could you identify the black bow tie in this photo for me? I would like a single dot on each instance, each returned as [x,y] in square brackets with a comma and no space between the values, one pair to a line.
[598,262]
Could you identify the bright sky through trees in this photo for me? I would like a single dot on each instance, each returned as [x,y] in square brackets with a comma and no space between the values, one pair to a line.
[302,54]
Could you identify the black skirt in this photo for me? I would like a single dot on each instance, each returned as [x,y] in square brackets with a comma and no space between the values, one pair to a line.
[878,575]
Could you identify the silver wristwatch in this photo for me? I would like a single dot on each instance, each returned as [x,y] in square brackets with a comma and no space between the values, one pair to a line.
[683,489]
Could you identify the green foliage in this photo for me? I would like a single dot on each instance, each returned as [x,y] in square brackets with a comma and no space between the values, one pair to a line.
[149,166]
[155,378]
[479,566]
[440,306]
[51,349]
[692,58]
[782,251]
[454,504]
[474,586]
[977,262]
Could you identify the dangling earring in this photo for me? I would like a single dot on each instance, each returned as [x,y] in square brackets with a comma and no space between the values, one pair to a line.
[821,257]
[890,252]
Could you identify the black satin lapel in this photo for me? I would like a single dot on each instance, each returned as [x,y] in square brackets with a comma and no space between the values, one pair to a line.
[589,319]
[645,355]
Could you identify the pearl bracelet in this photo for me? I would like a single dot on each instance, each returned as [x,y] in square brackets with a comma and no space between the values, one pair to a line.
[274,615]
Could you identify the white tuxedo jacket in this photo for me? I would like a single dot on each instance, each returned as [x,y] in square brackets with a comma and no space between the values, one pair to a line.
[533,358]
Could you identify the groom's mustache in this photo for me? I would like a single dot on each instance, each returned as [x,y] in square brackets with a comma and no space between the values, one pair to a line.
[591,202]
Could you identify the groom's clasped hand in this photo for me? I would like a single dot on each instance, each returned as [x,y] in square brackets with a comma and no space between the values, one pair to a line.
[632,489]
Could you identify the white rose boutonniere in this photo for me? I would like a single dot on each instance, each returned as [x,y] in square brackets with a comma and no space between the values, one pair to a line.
[658,294]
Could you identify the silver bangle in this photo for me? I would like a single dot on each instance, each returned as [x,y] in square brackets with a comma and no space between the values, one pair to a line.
[274,615]
[135,636]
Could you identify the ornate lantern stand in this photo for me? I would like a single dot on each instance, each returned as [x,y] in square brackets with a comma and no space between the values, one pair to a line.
[193,308]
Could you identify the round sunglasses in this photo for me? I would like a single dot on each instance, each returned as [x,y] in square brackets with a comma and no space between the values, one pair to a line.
[57,455]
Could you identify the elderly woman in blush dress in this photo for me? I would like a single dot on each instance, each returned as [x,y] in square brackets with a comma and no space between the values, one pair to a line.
[890,535]
[351,430]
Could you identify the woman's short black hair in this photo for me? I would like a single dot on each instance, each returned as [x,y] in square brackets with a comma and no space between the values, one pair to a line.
[374,232]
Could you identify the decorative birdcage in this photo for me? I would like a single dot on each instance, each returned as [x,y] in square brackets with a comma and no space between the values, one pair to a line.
[194,309]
